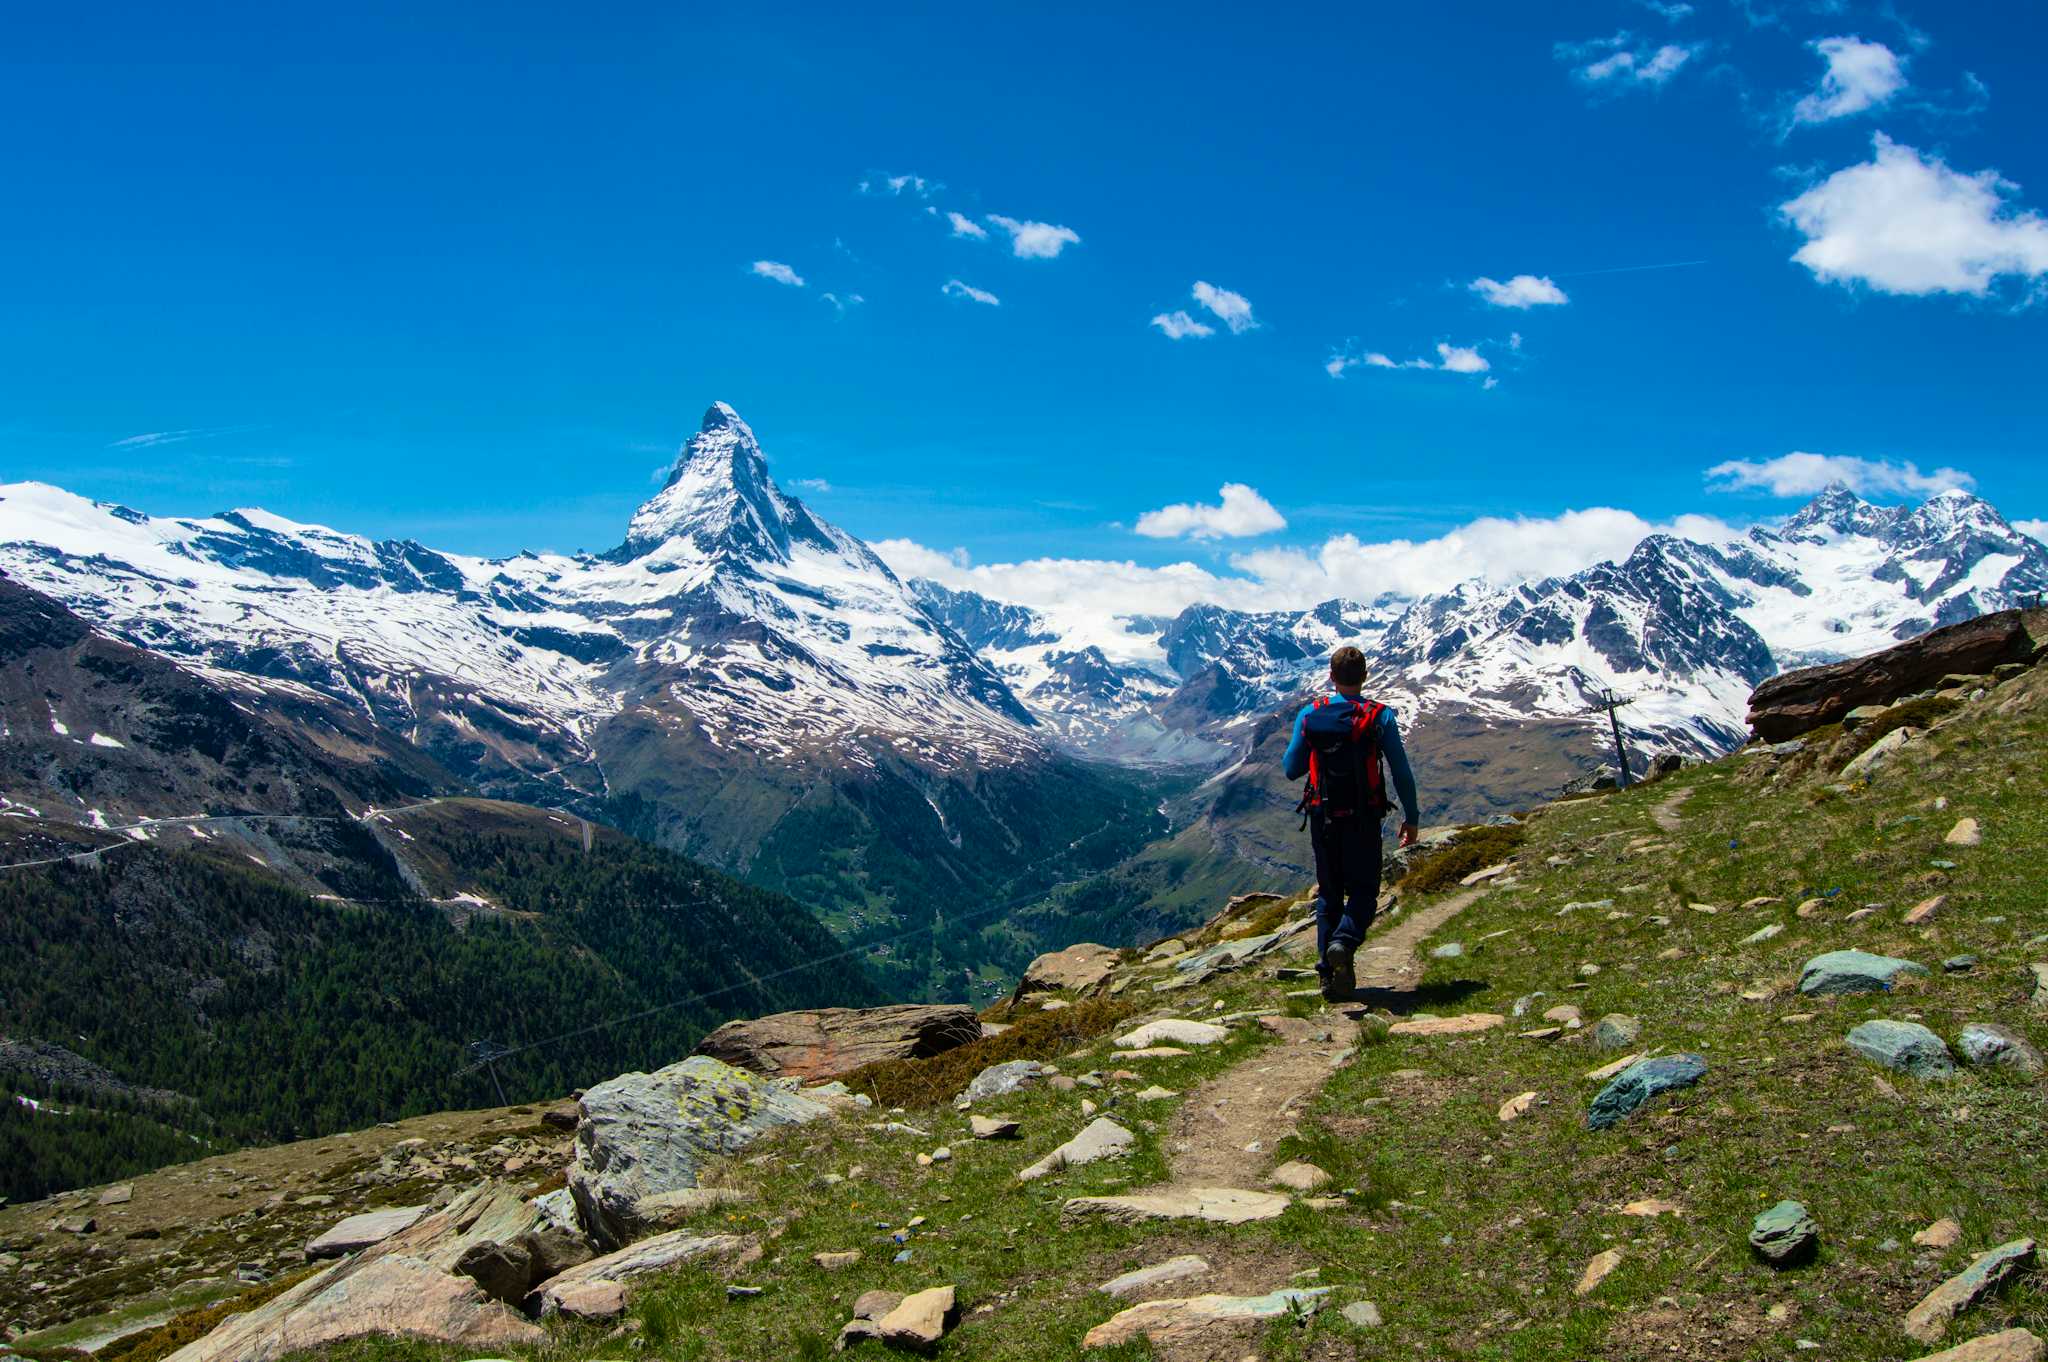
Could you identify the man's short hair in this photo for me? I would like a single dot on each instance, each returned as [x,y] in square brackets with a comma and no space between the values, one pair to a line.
[1347,666]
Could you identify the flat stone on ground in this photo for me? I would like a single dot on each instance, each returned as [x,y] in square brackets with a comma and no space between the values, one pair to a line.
[1298,1176]
[1854,972]
[1175,1031]
[1219,1205]
[920,1321]
[993,1128]
[1943,1233]
[1180,1321]
[1102,1139]
[1638,1083]
[360,1231]
[1145,1279]
[1446,1026]
[1929,1320]
[1597,1271]
[1908,1047]
[2007,1345]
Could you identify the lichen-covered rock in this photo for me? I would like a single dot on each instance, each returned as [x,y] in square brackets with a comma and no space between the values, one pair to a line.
[645,1134]
[1638,1083]
[658,1254]
[1908,1047]
[1082,968]
[1854,972]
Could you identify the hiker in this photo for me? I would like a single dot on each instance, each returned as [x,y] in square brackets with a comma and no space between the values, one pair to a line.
[1339,741]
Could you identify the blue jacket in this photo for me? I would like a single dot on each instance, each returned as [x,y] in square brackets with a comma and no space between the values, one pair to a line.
[1295,763]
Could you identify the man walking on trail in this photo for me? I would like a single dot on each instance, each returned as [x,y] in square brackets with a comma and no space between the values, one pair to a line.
[1339,742]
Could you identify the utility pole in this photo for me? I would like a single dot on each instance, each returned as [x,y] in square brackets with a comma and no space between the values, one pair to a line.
[488,1053]
[1610,702]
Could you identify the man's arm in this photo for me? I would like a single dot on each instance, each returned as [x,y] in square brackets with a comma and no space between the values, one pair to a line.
[1295,764]
[1404,776]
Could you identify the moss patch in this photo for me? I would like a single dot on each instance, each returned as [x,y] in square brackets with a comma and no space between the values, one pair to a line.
[939,1078]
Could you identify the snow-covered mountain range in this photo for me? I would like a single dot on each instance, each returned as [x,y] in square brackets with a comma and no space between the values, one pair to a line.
[1685,629]
[735,632]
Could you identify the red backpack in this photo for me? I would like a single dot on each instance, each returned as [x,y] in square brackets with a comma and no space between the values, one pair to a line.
[1344,778]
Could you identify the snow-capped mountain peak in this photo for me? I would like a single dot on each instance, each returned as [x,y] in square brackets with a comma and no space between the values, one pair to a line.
[720,498]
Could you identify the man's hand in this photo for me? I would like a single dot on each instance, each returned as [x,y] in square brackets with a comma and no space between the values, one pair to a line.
[1407,835]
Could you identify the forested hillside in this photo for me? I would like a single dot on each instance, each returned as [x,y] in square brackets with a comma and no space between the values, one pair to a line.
[282,1015]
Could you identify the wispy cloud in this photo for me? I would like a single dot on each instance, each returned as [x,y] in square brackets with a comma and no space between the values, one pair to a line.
[966,226]
[779,272]
[1451,359]
[1620,63]
[811,484]
[1242,512]
[1800,474]
[1178,325]
[955,288]
[1904,222]
[1036,240]
[1524,291]
[150,438]
[842,301]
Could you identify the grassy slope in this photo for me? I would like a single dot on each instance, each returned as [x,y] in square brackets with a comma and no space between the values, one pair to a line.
[1470,1232]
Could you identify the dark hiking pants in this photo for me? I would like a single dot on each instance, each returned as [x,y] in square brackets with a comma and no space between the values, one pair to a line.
[1347,879]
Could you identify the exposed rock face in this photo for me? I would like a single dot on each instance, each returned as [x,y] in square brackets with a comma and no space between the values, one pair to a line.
[919,1321]
[1083,968]
[1786,706]
[645,1134]
[831,1041]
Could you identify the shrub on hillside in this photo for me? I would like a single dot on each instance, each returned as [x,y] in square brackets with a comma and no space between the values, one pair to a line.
[1472,849]
[940,1078]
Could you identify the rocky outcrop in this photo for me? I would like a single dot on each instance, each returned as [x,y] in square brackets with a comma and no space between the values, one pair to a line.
[1786,706]
[645,1134]
[412,1284]
[830,1041]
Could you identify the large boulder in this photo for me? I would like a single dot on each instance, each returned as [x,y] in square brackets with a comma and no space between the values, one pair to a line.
[830,1041]
[1083,968]
[1797,701]
[645,1134]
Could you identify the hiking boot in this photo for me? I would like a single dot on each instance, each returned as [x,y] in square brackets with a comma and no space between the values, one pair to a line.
[1338,982]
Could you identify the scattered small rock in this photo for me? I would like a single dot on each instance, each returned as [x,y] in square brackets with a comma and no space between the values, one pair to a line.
[1515,1106]
[993,1128]
[1943,1233]
[1616,1031]
[1785,1235]
[2000,1046]
[1179,1269]
[1638,1083]
[1363,1314]
[2007,1345]
[835,1262]
[1299,1176]
[1853,972]
[1964,834]
[1102,1139]
[1597,1271]
[1925,910]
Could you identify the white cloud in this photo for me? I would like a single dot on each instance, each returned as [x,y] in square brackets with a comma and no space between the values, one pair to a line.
[1234,310]
[843,301]
[1089,595]
[1036,240]
[779,272]
[1514,340]
[811,484]
[1672,12]
[916,185]
[1906,223]
[954,288]
[1454,359]
[1523,291]
[966,226]
[1179,326]
[1242,512]
[1801,475]
[1860,76]
[1490,384]
[2038,529]
[1618,63]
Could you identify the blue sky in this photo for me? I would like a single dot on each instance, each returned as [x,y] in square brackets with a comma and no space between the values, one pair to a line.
[415,272]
